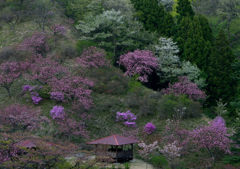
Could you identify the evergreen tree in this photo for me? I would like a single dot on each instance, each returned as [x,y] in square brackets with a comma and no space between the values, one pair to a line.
[184,9]
[194,38]
[220,72]
[154,17]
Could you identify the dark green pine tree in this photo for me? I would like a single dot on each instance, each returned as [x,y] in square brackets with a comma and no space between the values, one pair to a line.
[221,83]
[194,38]
[184,9]
[154,17]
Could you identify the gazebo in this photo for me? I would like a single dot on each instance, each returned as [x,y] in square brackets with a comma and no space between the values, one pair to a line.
[116,147]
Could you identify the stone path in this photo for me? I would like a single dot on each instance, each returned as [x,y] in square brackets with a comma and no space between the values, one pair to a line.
[139,164]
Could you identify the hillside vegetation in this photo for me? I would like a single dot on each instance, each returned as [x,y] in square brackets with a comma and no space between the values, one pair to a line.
[164,72]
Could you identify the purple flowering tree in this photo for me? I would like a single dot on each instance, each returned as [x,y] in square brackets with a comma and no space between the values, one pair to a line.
[185,87]
[37,44]
[92,57]
[21,117]
[45,69]
[149,128]
[9,73]
[57,112]
[212,137]
[74,88]
[140,62]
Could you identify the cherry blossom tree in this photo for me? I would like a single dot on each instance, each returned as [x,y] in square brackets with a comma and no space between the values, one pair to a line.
[185,87]
[74,88]
[22,117]
[9,73]
[37,44]
[139,62]
[212,137]
[92,57]
[45,69]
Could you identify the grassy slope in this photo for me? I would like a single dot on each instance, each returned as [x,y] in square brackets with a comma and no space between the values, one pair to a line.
[110,95]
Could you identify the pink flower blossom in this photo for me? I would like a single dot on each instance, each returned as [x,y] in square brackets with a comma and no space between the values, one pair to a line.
[139,62]
[185,87]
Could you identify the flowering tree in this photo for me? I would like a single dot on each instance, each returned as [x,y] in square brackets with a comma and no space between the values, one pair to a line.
[74,88]
[170,66]
[139,62]
[149,128]
[20,116]
[171,150]
[146,150]
[58,96]
[44,69]
[69,127]
[128,118]
[37,43]
[185,87]
[9,73]
[92,57]
[58,30]
[57,112]
[212,137]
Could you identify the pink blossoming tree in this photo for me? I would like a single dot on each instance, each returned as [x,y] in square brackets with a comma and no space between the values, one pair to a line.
[74,88]
[37,44]
[44,69]
[140,62]
[22,117]
[92,57]
[185,87]
[9,73]
[212,137]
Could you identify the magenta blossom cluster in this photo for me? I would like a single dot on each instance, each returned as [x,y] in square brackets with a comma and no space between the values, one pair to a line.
[214,136]
[128,118]
[185,87]
[37,43]
[92,57]
[59,30]
[58,96]
[34,95]
[149,128]
[139,62]
[36,99]
[27,88]
[57,112]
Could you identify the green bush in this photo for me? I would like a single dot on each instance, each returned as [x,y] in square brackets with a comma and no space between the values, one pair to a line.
[159,161]
[83,44]
[109,81]
[170,106]
[44,92]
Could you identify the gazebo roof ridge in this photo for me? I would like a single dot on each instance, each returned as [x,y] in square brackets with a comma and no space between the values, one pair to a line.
[114,139]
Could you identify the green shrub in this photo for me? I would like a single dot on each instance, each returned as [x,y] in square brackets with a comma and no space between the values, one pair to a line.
[44,92]
[159,161]
[109,81]
[133,85]
[171,106]
[69,52]
[83,44]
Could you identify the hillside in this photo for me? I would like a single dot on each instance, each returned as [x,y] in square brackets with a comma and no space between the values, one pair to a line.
[72,71]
